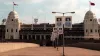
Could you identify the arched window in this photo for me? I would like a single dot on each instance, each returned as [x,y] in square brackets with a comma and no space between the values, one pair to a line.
[86,30]
[91,31]
[12,19]
[16,30]
[90,19]
[11,30]
[7,30]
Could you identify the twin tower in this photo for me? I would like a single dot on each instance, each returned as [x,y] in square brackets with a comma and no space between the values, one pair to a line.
[12,26]
[91,29]
[91,26]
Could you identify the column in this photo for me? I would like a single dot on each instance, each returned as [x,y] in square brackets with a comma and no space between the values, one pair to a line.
[35,37]
[31,37]
[44,42]
[45,37]
[22,36]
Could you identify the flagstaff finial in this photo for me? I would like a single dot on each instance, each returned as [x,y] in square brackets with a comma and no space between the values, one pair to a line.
[91,4]
[14,4]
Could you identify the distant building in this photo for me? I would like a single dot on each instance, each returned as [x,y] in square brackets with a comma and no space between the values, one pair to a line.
[13,29]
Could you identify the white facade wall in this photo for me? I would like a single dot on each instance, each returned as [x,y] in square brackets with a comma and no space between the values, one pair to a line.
[90,26]
[12,26]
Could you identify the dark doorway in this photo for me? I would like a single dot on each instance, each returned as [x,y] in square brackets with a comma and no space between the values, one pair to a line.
[21,37]
[11,37]
[33,37]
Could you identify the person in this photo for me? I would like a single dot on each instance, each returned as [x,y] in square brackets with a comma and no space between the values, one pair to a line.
[44,43]
[57,48]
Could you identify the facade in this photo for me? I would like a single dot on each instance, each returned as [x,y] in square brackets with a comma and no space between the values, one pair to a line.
[89,28]
[39,32]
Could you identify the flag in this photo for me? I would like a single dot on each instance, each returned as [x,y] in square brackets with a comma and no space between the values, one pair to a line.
[91,3]
[15,4]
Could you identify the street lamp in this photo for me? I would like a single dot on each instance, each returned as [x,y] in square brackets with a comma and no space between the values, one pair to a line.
[64,13]
[63,26]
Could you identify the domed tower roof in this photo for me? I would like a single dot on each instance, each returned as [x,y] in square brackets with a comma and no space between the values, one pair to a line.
[13,15]
[89,15]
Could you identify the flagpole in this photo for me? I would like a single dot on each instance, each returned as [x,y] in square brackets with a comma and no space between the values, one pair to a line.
[89,6]
[13,6]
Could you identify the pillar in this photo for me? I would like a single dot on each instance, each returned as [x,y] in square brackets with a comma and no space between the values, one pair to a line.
[22,36]
[35,37]
[31,37]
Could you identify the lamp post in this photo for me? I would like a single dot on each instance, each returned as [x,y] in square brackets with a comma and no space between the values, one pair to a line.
[57,38]
[63,27]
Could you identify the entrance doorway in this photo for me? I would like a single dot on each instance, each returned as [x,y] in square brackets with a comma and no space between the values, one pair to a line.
[11,37]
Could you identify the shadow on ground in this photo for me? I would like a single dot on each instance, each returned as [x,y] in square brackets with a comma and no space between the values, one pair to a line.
[86,45]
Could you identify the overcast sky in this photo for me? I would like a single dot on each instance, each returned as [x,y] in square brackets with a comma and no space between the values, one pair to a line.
[42,9]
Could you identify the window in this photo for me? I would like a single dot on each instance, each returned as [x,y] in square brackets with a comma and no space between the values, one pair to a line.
[91,31]
[16,30]
[59,19]
[11,30]
[86,30]
[12,19]
[90,19]
[7,30]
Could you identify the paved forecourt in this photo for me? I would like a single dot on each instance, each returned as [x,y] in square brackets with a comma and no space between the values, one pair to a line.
[48,51]
[4,47]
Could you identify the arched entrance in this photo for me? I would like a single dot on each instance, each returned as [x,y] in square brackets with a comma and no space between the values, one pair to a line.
[11,37]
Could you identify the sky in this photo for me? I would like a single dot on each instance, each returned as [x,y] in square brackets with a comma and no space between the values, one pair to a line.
[42,9]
